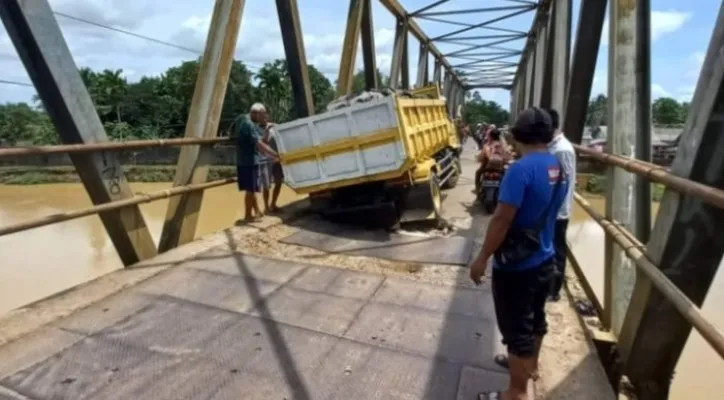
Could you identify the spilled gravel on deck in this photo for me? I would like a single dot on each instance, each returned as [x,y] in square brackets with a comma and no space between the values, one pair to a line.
[267,243]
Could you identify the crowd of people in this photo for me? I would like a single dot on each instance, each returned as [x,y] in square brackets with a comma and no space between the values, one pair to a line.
[526,240]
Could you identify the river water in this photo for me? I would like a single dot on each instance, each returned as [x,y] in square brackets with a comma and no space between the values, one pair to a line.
[43,261]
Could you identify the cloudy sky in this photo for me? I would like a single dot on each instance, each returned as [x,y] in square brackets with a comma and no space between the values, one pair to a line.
[680,30]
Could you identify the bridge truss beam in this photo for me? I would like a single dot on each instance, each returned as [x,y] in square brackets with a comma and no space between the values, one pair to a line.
[206,104]
[685,243]
[583,68]
[39,41]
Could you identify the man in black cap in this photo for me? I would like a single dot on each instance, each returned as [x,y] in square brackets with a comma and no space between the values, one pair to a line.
[520,239]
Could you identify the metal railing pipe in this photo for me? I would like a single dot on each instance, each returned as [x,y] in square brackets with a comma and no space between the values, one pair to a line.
[634,250]
[111,206]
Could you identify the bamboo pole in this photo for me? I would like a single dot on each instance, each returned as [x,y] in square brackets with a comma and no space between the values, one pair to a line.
[114,205]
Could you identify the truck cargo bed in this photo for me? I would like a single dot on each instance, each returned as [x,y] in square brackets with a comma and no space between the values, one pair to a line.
[370,141]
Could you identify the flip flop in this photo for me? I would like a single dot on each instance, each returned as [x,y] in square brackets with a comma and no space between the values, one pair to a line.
[490,395]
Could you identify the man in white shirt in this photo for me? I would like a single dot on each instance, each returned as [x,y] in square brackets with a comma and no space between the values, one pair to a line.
[273,174]
[562,148]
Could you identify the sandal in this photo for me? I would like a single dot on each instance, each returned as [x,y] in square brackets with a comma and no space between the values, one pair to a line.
[490,396]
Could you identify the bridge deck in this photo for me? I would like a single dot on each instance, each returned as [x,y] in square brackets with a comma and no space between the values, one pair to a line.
[209,321]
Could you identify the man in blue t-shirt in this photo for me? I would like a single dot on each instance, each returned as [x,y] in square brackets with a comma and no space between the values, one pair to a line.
[520,235]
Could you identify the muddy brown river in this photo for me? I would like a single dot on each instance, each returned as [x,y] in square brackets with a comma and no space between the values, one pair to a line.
[43,261]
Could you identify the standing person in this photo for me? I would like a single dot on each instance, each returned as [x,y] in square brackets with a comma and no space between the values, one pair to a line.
[249,146]
[478,136]
[562,148]
[520,239]
[493,156]
[273,171]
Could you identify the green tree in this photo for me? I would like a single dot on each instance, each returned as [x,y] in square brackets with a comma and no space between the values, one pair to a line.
[158,106]
[322,90]
[110,91]
[21,124]
[666,111]
[359,83]
[275,89]
[477,110]
[597,111]
[684,111]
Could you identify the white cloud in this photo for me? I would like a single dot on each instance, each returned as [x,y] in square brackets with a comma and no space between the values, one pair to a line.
[658,91]
[187,25]
[662,23]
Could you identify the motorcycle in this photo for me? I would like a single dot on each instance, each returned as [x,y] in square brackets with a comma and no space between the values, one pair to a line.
[489,187]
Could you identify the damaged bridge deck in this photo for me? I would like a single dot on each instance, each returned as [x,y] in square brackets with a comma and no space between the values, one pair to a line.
[210,320]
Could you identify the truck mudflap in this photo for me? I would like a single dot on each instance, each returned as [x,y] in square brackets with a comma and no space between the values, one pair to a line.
[422,202]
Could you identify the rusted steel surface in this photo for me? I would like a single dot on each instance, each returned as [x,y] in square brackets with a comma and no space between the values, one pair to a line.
[658,174]
[635,251]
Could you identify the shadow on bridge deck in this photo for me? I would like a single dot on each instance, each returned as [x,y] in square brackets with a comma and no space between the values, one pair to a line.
[225,324]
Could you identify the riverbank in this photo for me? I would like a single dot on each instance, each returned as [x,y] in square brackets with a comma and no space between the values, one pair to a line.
[134,173]
[589,183]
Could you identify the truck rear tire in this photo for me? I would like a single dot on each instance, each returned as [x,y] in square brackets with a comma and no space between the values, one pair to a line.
[452,181]
[423,202]
[436,196]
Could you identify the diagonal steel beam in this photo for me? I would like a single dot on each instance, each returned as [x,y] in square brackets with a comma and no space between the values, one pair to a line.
[490,45]
[422,67]
[428,7]
[482,61]
[529,48]
[296,57]
[398,11]
[398,52]
[473,11]
[461,40]
[486,23]
[208,100]
[368,47]
[39,42]
[686,243]
[458,23]
[583,66]
[349,47]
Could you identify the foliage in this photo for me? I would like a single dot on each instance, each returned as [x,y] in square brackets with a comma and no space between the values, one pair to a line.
[665,111]
[158,106]
[477,110]
[155,107]
[21,123]
[597,111]
[598,184]
[359,84]
[275,90]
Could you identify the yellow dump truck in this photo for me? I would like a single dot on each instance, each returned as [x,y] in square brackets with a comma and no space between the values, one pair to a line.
[382,157]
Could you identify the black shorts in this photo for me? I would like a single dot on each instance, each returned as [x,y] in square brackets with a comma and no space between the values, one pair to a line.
[520,299]
[248,178]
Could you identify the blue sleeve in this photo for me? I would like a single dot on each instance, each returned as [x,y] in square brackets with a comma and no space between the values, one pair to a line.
[512,188]
[248,135]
